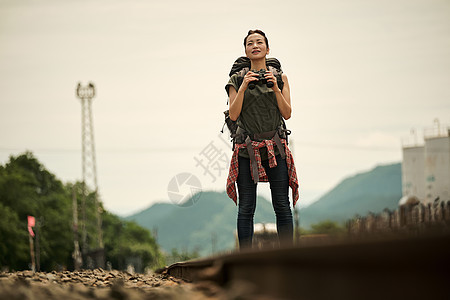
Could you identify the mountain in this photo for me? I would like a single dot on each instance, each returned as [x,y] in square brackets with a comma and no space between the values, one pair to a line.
[153,215]
[211,217]
[373,191]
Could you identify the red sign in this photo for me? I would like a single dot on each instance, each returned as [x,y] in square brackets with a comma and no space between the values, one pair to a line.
[31,223]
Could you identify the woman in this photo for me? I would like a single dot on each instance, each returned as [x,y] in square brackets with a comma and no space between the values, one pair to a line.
[261,152]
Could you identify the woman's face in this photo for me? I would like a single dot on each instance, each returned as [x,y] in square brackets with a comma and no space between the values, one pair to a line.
[256,47]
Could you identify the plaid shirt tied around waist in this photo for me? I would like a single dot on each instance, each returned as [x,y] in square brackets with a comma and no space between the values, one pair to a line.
[262,176]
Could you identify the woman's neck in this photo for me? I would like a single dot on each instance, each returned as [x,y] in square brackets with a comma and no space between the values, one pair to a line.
[258,64]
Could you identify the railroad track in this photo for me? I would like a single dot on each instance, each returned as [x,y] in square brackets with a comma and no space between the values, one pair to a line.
[408,268]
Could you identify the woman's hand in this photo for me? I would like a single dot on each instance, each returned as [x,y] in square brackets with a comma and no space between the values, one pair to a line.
[283,97]
[270,77]
[249,77]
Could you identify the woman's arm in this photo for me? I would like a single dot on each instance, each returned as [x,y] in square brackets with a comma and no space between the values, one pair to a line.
[237,97]
[283,97]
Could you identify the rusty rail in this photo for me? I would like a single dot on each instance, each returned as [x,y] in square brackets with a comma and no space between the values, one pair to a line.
[408,268]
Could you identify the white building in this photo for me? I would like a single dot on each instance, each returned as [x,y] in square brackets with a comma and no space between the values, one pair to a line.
[437,168]
[426,168]
[413,166]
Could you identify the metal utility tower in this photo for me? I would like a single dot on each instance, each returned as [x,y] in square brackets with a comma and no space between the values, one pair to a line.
[89,167]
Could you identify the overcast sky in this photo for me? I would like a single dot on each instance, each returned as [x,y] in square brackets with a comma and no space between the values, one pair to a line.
[362,75]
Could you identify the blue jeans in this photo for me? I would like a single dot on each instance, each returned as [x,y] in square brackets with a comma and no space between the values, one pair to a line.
[279,187]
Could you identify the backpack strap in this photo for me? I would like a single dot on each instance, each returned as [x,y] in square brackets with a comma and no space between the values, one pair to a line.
[239,64]
[244,62]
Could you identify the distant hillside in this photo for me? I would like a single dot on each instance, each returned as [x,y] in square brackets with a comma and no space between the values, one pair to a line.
[188,228]
[372,191]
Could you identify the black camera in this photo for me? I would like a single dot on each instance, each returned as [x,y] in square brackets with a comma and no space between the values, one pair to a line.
[261,76]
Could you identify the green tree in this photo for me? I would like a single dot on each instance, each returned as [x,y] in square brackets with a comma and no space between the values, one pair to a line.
[327,227]
[27,188]
[126,241]
[14,249]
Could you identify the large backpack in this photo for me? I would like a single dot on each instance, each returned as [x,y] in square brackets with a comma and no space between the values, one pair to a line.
[240,67]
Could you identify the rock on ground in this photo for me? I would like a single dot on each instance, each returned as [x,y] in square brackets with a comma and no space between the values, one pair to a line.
[100,284]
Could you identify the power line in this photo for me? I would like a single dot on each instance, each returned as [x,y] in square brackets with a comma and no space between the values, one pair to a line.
[145,150]
[100,150]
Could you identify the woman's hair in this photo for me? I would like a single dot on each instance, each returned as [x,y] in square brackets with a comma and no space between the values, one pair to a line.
[259,32]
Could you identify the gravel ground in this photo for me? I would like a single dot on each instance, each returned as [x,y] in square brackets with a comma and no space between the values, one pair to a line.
[101,284]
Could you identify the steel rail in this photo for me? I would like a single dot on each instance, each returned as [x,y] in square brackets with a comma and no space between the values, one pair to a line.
[408,268]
